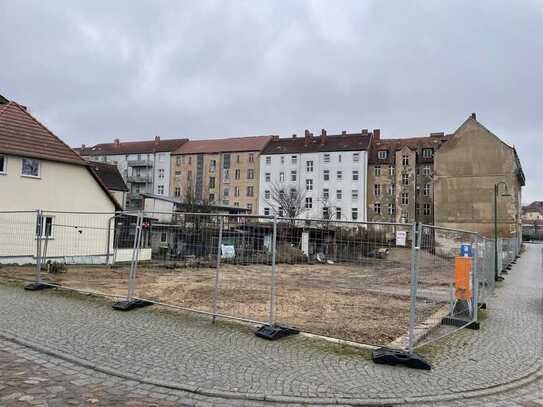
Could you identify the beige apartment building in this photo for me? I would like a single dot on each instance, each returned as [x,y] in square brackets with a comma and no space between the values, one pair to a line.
[400,178]
[220,171]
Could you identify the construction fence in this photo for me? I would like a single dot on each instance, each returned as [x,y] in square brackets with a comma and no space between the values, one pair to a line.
[393,285]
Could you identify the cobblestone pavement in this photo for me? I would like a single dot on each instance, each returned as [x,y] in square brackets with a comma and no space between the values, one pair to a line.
[188,352]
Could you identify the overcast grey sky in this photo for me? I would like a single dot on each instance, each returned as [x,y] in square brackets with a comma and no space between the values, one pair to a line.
[95,71]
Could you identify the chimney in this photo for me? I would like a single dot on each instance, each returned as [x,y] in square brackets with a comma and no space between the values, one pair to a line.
[377,134]
[323,137]
[294,136]
[474,116]
[307,137]
[364,132]
[344,133]
[116,142]
[157,140]
[83,146]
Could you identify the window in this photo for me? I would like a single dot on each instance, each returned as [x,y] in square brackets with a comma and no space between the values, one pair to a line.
[250,207]
[236,203]
[405,179]
[44,229]
[405,198]
[309,166]
[354,194]
[309,185]
[355,175]
[354,213]
[236,191]
[427,152]
[226,192]
[282,160]
[237,174]
[308,203]
[356,157]
[426,190]
[250,191]
[3,164]
[426,170]
[237,158]
[405,159]
[426,211]
[293,193]
[281,212]
[293,159]
[391,189]
[268,162]
[339,175]
[326,175]
[161,157]
[226,174]
[266,211]
[163,237]
[326,158]
[226,161]
[339,194]
[377,208]
[377,171]
[160,189]
[391,170]
[161,173]
[211,197]
[282,194]
[325,212]
[382,154]
[190,159]
[212,165]
[293,175]
[377,190]
[391,209]
[177,191]
[31,167]
[182,159]
[177,173]
[325,194]
[251,159]
[250,174]
[339,157]
[211,182]
[281,177]
[338,213]
[178,160]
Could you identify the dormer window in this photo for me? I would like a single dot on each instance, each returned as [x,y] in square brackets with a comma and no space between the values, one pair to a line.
[382,154]
[427,152]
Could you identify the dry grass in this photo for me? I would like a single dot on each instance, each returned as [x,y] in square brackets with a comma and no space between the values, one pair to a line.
[367,303]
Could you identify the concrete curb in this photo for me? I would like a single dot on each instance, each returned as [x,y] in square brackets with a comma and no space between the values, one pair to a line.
[531,377]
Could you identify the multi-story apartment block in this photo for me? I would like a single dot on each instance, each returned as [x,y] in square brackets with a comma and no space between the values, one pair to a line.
[324,176]
[221,171]
[144,165]
[400,178]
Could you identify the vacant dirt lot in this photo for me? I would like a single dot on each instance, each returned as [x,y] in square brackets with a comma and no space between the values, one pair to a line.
[367,303]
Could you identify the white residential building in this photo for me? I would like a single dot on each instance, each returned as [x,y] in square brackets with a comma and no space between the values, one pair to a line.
[144,165]
[327,173]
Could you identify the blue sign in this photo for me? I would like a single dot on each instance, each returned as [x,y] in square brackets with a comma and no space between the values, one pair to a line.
[465,250]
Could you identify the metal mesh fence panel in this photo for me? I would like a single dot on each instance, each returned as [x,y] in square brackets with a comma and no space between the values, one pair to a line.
[345,280]
[18,248]
[447,283]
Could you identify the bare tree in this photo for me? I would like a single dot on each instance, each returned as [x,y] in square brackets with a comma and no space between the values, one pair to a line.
[289,203]
[191,203]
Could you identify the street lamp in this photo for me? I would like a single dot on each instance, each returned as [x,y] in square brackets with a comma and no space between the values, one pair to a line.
[497,277]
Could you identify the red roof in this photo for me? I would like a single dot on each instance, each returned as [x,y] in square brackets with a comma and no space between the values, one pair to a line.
[133,147]
[22,135]
[433,141]
[224,145]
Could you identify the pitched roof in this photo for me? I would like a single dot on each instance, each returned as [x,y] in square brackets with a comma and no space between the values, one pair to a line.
[434,141]
[109,175]
[132,147]
[312,144]
[21,134]
[224,145]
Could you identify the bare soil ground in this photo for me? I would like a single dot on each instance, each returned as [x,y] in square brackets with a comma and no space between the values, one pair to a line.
[366,303]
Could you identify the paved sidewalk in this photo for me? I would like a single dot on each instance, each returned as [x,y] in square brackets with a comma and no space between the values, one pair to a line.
[189,353]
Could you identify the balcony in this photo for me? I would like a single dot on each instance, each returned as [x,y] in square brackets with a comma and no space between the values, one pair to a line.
[139,179]
[140,163]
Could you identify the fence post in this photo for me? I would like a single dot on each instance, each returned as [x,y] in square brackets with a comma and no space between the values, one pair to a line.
[274,273]
[475,279]
[217,272]
[39,227]
[135,257]
[415,247]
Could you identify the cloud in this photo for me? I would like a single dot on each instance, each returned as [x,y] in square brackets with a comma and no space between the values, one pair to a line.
[95,71]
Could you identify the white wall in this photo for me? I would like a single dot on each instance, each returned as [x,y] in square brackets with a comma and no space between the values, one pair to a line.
[346,184]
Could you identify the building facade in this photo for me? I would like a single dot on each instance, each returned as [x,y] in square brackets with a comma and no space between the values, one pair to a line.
[400,179]
[144,165]
[467,168]
[221,171]
[323,177]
